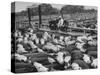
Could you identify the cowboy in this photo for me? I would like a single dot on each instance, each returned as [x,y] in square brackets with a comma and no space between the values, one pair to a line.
[61,21]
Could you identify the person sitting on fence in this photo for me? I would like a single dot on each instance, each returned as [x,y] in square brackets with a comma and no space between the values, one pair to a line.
[60,23]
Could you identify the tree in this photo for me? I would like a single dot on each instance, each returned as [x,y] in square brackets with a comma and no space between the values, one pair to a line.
[47,9]
[68,9]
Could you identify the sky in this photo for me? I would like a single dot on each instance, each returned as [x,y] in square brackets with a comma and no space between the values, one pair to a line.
[19,6]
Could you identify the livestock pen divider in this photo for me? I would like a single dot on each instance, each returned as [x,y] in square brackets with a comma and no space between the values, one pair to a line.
[45,27]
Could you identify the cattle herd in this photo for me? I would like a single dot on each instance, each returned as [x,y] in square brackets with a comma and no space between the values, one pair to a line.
[41,51]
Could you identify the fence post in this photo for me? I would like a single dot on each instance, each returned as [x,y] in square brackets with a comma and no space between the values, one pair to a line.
[40,21]
[29,17]
[84,31]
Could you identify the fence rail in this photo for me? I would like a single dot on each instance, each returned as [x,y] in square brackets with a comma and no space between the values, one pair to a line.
[45,26]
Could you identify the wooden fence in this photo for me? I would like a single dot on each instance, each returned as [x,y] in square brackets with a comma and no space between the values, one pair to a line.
[45,27]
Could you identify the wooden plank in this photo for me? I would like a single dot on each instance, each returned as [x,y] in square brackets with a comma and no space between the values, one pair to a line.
[83,28]
[65,33]
[20,70]
[32,68]
[21,65]
[25,70]
[42,60]
[36,54]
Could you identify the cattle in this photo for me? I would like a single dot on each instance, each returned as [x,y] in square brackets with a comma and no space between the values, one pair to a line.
[94,63]
[76,54]
[20,57]
[19,40]
[51,60]
[80,64]
[52,47]
[50,52]
[86,58]
[59,57]
[67,60]
[40,50]
[40,67]
[20,49]
[42,41]
[32,44]
[75,66]
[80,47]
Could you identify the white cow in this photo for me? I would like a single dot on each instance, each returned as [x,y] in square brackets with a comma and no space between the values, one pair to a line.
[16,34]
[32,44]
[70,42]
[92,42]
[50,46]
[60,58]
[75,66]
[20,49]
[40,50]
[61,40]
[46,36]
[19,40]
[37,40]
[67,38]
[90,38]
[26,35]
[86,58]
[82,38]
[94,63]
[42,41]
[66,60]
[25,40]
[20,57]
[40,67]
[19,33]
[33,37]
[51,60]
[80,46]
[56,41]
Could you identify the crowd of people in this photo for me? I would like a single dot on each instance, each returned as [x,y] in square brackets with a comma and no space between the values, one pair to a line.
[60,52]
